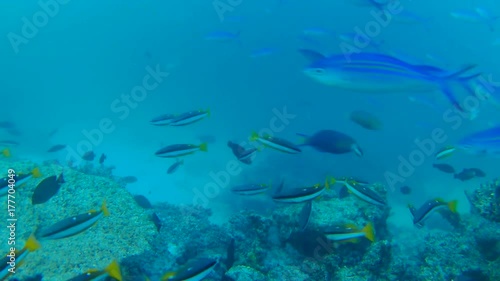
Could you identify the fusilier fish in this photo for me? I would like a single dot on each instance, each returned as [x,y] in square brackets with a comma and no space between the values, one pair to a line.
[177,150]
[190,117]
[73,225]
[377,73]
[276,143]
[350,233]
[193,271]
[163,120]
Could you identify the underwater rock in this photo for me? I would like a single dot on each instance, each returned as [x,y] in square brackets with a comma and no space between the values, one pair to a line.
[485,200]
[245,273]
[124,233]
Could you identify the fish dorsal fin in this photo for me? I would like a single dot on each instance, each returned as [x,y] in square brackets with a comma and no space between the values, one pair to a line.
[311,55]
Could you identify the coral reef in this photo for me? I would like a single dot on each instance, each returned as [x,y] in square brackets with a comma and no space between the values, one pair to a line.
[266,247]
[124,233]
[485,200]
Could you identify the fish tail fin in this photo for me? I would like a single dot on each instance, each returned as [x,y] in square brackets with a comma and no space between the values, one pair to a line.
[369,232]
[113,270]
[331,180]
[104,208]
[6,152]
[304,139]
[203,147]
[254,136]
[36,172]
[167,275]
[452,205]
[32,244]
[208,112]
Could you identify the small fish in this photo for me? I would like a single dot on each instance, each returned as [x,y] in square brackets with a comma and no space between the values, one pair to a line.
[157,221]
[128,179]
[8,143]
[88,156]
[276,143]
[420,215]
[112,270]
[102,158]
[46,189]
[163,120]
[18,180]
[190,117]
[350,233]
[177,150]
[73,225]
[243,155]
[142,201]
[330,141]
[470,173]
[445,152]
[30,246]
[193,270]
[363,192]
[250,189]
[52,133]
[444,168]
[56,148]
[305,215]
[405,190]
[7,125]
[366,120]
[298,195]
[263,52]
[175,166]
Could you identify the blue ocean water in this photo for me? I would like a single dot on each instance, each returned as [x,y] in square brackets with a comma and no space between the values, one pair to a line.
[70,65]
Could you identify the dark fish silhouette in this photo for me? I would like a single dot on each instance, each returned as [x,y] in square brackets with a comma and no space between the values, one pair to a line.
[88,156]
[143,201]
[245,156]
[46,189]
[468,174]
[7,125]
[444,168]
[56,148]
[308,242]
[405,190]
[173,168]
[129,179]
[334,142]
[102,158]
[157,221]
